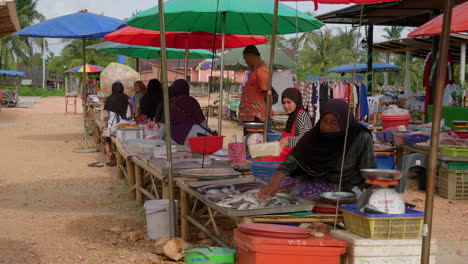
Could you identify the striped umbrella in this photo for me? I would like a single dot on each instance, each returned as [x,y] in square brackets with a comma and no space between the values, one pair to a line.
[89,68]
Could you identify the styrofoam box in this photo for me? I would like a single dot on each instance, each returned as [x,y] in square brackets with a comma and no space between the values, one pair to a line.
[129,133]
[363,250]
[265,149]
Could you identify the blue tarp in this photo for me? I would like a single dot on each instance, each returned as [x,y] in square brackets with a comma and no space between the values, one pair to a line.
[377,67]
[12,73]
[77,25]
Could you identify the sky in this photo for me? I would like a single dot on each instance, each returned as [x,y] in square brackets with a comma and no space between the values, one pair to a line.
[124,9]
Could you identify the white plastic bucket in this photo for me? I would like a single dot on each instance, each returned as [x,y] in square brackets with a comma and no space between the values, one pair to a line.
[157,218]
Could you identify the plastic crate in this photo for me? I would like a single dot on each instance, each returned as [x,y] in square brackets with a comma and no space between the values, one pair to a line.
[206,145]
[411,140]
[383,226]
[273,136]
[391,138]
[454,151]
[454,165]
[264,170]
[385,160]
[453,184]
[399,139]
[381,136]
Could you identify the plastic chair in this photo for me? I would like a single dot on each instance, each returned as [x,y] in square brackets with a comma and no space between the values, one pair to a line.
[407,162]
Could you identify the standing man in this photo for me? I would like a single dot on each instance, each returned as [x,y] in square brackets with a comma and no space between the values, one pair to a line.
[253,104]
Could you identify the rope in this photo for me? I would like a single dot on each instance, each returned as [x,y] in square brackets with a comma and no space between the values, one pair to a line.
[346,132]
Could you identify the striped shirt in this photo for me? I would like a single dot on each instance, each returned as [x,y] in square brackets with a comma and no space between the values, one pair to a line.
[302,125]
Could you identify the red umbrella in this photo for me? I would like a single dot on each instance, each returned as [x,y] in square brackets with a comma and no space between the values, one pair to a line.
[434,27]
[343,2]
[181,40]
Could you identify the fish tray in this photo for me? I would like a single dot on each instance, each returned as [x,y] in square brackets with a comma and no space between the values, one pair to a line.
[304,205]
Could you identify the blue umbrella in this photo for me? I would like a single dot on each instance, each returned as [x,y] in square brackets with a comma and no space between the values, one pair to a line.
[376,67]
[78,25]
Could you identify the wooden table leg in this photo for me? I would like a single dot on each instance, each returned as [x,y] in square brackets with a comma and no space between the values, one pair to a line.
[165,189]
[184,210]
[131,177]
[119,160]
[399,154]
[139,183]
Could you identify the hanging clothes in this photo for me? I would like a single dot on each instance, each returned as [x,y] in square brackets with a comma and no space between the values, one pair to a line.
[429,74]
[363,103]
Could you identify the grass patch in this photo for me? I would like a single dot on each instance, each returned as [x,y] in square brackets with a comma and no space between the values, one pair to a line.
[37,91]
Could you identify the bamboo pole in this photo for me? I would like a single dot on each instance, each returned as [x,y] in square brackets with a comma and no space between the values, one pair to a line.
[139,183]
[437,115]
[221,84]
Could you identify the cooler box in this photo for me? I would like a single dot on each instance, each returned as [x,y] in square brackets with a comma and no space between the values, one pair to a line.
[129,133]
[267,250]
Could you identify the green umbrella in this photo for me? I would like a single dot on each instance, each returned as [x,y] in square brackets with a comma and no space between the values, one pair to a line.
[233,59]
[244,17]
[143,52]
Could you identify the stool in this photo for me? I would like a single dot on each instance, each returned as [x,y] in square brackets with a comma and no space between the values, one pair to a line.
[74,98]
[407,162]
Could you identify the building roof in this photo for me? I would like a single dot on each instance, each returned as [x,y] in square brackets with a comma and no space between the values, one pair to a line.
[8,18]
[420,47]
[408,13]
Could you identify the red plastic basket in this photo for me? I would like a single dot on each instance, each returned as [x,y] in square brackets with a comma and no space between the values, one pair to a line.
[206,145]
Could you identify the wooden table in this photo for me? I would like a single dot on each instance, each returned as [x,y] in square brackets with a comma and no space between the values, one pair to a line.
[207,218]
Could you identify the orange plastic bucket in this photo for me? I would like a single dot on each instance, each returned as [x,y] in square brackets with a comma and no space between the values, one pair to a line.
[394,120]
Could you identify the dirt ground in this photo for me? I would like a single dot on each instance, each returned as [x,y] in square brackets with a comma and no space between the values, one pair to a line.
[56,209]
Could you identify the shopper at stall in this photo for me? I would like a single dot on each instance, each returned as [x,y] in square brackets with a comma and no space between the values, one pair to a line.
[140,89]
[187,118]
[252,105]
[314,166]
[151,104]
[297,125]
[116,109]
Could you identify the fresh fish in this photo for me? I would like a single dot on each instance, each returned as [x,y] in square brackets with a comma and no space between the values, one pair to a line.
[244,206]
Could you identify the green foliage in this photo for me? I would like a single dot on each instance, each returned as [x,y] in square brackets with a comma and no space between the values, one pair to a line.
[37,91]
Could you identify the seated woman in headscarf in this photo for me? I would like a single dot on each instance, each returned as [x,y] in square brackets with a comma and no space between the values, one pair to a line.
[187,118]
[151,104]
[297,125]
[314,166]
[116,109]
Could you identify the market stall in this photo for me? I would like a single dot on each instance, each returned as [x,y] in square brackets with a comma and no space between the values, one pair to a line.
[10,81]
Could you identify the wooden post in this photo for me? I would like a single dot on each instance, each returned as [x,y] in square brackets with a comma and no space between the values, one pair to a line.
[184,210]
[119,160]
[165,189]
[131,177]
[139,183]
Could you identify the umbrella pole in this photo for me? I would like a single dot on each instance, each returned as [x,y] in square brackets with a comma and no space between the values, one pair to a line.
[186,59]
[439,93]
[85,142]
[167,118]
[221,84]
[270,72]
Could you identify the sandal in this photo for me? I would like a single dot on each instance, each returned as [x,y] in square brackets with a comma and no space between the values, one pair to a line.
[111,164]
[95,164]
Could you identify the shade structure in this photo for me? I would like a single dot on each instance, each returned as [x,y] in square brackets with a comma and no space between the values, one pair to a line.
[82,24]
[376,67]
[89,68]
[121,73]
[233,59]
[343,2]
[144,52]
[12,73]
[181,40]
[243,17]
[434,27]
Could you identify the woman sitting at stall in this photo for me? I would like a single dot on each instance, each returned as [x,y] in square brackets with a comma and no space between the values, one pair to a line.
[314,166]
[151,104]
[187,118]
[140,90]
[297,125]
[116,109]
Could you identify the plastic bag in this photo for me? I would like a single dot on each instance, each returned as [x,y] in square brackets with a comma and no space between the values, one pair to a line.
[151,130]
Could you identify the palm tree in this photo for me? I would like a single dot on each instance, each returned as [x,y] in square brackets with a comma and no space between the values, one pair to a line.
[393,32]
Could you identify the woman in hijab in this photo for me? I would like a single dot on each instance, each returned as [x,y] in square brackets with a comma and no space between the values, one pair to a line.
[314,166]
[297,125]
[152,102]
[187,118]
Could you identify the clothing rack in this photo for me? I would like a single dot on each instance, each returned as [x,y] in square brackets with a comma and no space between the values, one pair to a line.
[357,78]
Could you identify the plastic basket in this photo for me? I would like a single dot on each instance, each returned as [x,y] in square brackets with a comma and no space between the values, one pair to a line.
[383,226]
[454,151]
[453,184]
[394,120]
[385,160]
[264,170]
[411,140]
[399,139]
[206,145]
[381,136]
[454,165]
[273,136]
[391,135]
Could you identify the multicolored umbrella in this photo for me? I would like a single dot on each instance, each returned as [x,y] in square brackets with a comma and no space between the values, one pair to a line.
[434,27]
[118,72]
[182,40]
[89,68]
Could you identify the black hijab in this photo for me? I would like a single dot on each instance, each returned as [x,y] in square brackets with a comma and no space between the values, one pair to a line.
[153,97]
[318,152]
[294,95]
[117,102]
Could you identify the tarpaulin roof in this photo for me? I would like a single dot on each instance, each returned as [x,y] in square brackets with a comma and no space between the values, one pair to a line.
[12,73]
[377,67]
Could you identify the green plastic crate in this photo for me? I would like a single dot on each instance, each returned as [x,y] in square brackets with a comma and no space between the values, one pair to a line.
[454,151]
[454,165]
